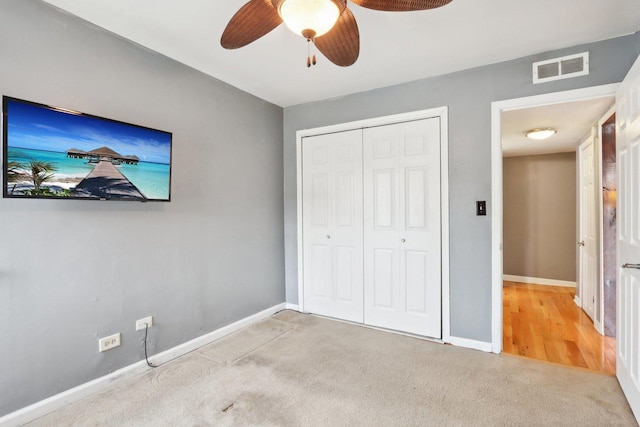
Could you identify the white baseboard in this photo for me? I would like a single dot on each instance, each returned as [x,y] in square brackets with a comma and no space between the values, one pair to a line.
[599,327]
[578,301]
[473,344]
[538,281]
[39,409]
[294,307]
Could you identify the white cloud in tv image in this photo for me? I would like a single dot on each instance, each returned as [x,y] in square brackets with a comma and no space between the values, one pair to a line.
[51,152]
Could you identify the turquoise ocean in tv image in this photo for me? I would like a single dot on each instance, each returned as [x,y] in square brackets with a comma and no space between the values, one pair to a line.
[152,179]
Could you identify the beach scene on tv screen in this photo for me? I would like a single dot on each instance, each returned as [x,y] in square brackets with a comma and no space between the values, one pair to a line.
[54,153]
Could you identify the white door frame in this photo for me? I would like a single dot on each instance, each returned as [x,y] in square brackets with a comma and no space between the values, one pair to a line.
[443,114]
[496,185]
[600,219]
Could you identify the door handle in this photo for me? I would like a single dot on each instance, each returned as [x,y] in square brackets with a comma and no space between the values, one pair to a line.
[581,243]
[328,236]
[402,240]
[636,266]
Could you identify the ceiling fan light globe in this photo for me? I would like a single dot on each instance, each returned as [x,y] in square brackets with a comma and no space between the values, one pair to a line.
[316,15]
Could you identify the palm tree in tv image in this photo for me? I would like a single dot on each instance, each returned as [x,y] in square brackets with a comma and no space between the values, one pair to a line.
[14,174]
[40,172]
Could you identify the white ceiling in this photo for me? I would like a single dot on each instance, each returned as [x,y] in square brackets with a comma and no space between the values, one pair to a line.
[572,120]
[395,47]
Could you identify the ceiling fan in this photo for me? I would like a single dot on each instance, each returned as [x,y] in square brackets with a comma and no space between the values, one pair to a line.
[329,24]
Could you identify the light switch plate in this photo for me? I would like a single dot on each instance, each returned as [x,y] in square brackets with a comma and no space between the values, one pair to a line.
[481,208]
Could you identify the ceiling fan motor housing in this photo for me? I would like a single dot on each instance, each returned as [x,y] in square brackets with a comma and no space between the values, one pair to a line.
[342,4]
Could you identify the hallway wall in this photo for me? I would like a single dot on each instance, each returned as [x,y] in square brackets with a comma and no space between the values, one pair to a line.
[539,228]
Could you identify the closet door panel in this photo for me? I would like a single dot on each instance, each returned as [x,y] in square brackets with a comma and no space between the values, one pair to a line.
[402,221]
[384,275]
[332,225]
[319,271]
[416,281]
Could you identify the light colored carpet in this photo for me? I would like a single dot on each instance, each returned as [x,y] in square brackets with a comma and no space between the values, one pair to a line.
[300,370]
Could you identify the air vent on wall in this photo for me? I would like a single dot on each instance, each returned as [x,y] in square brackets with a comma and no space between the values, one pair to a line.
[561,68]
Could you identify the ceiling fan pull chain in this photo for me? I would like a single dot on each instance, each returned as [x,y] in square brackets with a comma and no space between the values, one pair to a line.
[311,60]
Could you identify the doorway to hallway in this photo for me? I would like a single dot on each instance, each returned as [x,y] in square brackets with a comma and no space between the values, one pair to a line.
[538,318]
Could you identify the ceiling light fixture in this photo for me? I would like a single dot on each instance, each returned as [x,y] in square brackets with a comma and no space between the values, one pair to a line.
[540,133]
[309,18]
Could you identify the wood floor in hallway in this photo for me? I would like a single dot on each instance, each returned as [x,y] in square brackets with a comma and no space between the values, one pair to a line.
[544,323]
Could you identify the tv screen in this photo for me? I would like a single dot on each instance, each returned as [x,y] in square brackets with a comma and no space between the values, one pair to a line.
[51,152]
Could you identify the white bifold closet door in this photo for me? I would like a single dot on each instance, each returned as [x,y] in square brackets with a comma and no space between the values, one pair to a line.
[371,226]
[402,227]
[332,225]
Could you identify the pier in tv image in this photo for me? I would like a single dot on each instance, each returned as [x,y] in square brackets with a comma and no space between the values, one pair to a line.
[51,152]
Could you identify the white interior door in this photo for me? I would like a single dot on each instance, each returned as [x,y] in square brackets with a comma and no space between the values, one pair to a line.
[402,241]
[332,225]
[587,229]
[628,211]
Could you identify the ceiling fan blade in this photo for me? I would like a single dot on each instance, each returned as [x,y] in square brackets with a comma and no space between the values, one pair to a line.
[401,5]
[252,21]
[341,45]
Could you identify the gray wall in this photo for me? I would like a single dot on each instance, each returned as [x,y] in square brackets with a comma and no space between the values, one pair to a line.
[539,216]
[468,94]
[74,271]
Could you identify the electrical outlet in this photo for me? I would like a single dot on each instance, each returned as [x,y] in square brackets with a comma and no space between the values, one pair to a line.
[107,343]
[142,323]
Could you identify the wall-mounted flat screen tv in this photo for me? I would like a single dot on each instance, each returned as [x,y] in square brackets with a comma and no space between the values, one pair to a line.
[51,152]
